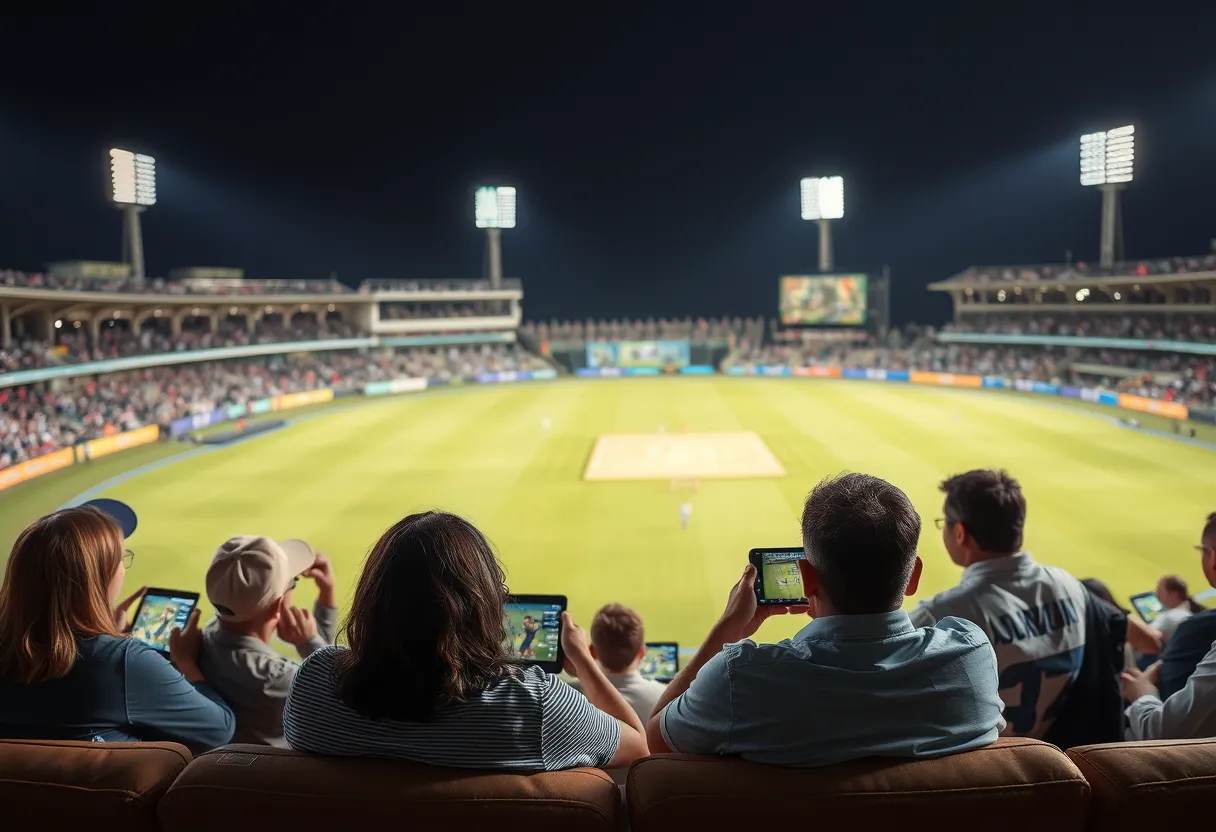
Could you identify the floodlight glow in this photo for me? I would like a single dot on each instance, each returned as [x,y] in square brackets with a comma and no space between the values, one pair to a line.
[133,177]
[494,207]
[1108,157]
[823,198]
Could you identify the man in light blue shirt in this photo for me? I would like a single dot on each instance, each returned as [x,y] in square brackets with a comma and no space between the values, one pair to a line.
[859,680]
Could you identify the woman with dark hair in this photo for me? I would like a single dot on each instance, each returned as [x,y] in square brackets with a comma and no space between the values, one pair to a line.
[428,676]
[67,669]
[1140,636]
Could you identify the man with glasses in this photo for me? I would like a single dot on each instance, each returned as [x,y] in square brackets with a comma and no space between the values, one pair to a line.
[1034,615]
[249,583]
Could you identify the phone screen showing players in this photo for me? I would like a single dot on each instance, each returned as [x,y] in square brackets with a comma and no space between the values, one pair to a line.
[533,631]
[158,615]
[780,577]
[660,662]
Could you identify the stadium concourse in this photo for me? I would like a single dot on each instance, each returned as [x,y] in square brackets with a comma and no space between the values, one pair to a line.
[649,492]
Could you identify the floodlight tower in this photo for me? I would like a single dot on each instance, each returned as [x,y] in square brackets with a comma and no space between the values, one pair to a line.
[494,210]
[823,201]
[133,189]
[1107,161]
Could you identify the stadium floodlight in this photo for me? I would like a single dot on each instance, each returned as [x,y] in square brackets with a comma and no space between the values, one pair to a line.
[132,189]
[494,207]
[823,198]
[494,210]
[1108,161]
[822,202]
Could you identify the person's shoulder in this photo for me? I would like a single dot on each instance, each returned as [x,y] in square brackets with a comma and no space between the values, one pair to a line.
[322,664]
[961,630]
[1200,627]
[944,602]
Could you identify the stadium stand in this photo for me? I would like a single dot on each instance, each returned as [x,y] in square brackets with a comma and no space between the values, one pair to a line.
[160,286]
[1163,267]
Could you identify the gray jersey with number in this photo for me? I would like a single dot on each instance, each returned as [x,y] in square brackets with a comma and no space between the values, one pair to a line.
[1034,615]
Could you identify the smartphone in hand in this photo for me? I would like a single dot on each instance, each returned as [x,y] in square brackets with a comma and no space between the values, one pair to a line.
[778,581]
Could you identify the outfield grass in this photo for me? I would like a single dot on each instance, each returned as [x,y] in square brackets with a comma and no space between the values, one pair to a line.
[1105,500]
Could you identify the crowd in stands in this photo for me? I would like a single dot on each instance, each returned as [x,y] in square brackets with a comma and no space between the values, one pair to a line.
[430,672]
[576,333]
[369,286]
[35,422]
[1199,329]
[1088,271]
[402,310]
[74,345]
[160,286]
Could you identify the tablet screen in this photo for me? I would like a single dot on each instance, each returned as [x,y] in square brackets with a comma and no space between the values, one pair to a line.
[661,662]
[1147,606]
[158,614]
[533,631]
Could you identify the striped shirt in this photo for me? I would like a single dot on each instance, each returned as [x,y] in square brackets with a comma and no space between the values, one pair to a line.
[529,721]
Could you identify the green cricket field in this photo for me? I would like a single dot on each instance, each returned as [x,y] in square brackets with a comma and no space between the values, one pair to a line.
[1105,500]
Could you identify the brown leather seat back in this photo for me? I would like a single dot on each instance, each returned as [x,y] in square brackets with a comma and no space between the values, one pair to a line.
[50,785]
[1150,785]
[269,788]
[1013,785]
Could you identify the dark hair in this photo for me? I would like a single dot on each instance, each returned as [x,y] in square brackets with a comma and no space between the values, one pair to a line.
[426,627]
[1101,590]
[1209,525]
[860,534]
[990,506]
[616,632]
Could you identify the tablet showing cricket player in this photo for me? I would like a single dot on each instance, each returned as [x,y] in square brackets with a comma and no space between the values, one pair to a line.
[159,611]
[778,581]
[1148,606]
[661,661]
[534,629]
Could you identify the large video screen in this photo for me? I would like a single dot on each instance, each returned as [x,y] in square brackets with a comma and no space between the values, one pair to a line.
[823,300]
[657,354]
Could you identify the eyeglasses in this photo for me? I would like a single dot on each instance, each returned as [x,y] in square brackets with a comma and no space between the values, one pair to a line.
[127,558]
[943,522]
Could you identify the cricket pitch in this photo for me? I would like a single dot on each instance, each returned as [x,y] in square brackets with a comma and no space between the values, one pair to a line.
[681,456]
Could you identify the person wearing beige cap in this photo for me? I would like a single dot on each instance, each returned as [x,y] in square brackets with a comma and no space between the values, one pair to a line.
[249,583]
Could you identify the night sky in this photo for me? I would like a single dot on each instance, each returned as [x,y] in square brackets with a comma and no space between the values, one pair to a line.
[657,152]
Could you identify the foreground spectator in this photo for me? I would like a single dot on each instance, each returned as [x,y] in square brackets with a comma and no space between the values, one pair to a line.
[618,643]
[428,677]
[1034,615]
[249,583]
[859,680]
[67,672]
[1188,714]
[1193,639]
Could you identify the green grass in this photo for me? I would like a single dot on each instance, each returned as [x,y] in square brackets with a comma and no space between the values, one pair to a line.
[1104,500]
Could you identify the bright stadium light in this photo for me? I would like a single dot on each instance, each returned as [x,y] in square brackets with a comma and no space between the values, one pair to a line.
[823,198]
[822,202]
[1108,161]
[495,207]
[132,189]
[494,210]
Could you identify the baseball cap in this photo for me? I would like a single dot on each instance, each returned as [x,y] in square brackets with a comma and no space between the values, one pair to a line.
[248,573]
[119,512]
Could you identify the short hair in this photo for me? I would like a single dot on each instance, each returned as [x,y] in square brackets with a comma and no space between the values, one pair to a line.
[1209,526]
[1175,584]
[860,534]
[616,632]
[991,507]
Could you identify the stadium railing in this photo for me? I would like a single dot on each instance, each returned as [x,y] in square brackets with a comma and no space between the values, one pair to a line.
[1165,268]
[1014,784]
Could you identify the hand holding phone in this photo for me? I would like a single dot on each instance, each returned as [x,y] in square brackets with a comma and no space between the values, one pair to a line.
[778,581]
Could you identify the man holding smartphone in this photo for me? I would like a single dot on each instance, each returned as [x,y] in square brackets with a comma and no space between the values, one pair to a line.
[859,680]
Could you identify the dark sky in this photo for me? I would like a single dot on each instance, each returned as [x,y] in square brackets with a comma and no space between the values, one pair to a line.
[657,152]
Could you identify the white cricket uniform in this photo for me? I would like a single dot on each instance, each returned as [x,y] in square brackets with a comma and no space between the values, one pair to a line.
[1034,615]
[685,514]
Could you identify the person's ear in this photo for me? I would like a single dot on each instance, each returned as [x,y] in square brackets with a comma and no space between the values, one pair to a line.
[960,534]
[276,609]
[810,584]
[914,580]
[641,653]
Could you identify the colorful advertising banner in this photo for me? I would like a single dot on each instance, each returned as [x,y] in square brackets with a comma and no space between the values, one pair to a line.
[1172,410]
[947,379]
[45,464]
[106,445]
[817,372]
[650,354]
[288,401]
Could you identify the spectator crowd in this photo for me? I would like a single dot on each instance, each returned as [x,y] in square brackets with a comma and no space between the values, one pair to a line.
[576,333]
[35,422]
[1198,329]
[160,286]
[1088,271]
[428,673]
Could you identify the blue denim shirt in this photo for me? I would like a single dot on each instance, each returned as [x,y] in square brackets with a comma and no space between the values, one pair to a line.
[846,686]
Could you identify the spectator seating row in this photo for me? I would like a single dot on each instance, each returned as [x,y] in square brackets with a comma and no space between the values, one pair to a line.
[1088,271]
[1011,786]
